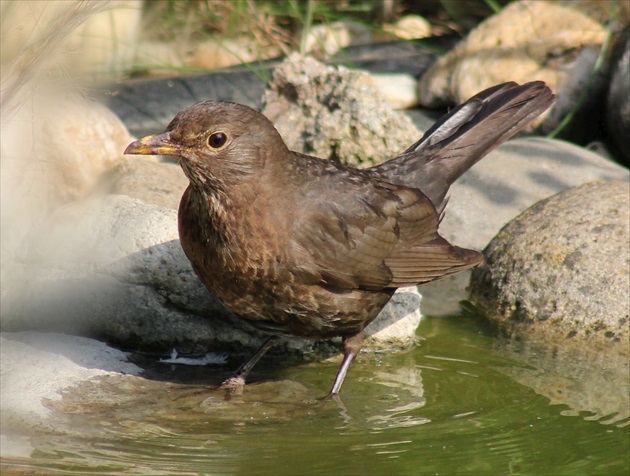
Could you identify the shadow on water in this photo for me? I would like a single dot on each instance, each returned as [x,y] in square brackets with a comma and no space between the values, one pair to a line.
[463,402]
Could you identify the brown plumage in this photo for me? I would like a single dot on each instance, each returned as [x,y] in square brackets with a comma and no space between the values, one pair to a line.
[306,247]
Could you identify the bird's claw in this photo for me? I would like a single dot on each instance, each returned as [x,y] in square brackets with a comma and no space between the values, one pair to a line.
[233,386]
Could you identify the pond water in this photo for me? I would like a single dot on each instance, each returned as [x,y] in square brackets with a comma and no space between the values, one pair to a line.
[462,402]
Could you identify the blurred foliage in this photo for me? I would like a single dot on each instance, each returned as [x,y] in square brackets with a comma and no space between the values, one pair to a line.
[281,22]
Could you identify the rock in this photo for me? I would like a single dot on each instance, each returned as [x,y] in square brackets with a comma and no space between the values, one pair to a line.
[604,12]
[502,185]
[84,273]
[156,183]
[560,272]
[618,101]
[326,39]
[113,268]
[395,327]
[77,142]
[219,53]
[159,58]
[102,44]
[409,27]
[81,139]
[37,368]
[335,113]
[216,53]
[509,46]
[400,90]
[106,41]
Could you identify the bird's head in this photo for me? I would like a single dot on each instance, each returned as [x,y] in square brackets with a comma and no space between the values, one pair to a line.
[216,142]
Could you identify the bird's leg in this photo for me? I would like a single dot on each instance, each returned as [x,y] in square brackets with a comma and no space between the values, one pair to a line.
[234,385]
[352,346]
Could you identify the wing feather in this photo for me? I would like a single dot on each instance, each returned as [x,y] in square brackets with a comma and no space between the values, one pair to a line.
[374,236]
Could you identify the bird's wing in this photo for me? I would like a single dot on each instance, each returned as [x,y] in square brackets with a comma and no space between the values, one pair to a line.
[373,236]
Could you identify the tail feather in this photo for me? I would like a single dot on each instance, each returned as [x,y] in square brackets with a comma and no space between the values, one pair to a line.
[465,135]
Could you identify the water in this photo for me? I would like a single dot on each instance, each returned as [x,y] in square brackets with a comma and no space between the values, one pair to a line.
[462,402]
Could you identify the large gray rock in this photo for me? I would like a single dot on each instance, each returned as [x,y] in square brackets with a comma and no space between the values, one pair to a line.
[561,270]
[112,267]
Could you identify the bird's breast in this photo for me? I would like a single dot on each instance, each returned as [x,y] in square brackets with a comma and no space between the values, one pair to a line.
[243,257]
[236,247]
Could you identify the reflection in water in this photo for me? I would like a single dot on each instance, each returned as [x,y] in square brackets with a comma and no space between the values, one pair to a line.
[594,385]
[462,402]
[407,382]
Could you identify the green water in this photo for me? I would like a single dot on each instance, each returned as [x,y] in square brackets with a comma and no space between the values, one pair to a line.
[461,402]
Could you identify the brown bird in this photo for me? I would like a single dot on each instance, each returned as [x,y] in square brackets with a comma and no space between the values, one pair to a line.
[300,246]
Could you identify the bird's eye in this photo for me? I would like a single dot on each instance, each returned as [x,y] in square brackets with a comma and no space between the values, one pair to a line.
[217,140]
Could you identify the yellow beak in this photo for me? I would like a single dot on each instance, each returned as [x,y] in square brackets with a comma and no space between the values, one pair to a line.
[155,144]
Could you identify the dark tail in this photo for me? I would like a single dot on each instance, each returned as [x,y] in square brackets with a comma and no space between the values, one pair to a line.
[463,136]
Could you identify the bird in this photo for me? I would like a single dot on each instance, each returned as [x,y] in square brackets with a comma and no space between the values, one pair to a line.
[306,247]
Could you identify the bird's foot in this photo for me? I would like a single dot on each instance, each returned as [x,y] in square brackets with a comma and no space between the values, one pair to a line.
[335,397]
[233,386]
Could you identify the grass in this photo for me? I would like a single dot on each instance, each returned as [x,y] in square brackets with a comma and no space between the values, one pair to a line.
[36,57]
[267,22]
[270,28]
[280,26]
